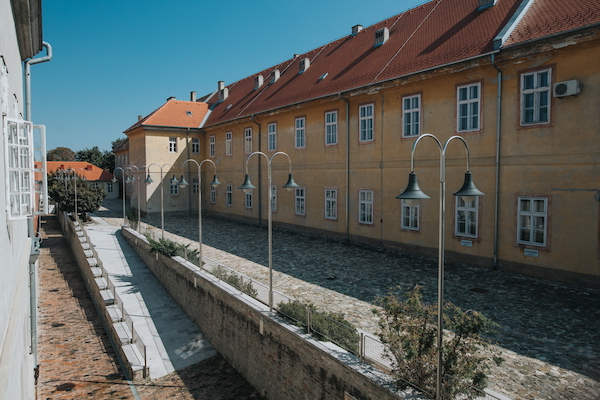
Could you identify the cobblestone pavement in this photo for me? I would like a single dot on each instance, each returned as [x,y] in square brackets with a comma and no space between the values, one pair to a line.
[75,355]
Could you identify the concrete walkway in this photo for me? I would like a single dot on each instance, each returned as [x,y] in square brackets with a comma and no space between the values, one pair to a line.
[173,341]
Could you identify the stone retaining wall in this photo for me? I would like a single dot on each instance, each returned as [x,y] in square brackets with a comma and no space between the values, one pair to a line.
[275,357]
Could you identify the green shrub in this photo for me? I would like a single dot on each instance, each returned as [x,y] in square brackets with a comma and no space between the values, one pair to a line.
[132,214]
[169,248]
[234,280]
[323,325]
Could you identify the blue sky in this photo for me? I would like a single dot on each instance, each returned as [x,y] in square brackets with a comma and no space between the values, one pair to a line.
[116,59]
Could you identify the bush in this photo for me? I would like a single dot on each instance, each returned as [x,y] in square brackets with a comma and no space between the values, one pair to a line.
[323,326]
[409,328]
[132,214]
[169,248]
[234,280]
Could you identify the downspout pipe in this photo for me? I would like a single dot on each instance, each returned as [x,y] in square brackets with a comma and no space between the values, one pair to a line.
[260,178]
[28,64]
[498,132]
[347,211]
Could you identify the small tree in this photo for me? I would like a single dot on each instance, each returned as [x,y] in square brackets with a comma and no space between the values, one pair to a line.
[409,328]
[89,198]
[61,154]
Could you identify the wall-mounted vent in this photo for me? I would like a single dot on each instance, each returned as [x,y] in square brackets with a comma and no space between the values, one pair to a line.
[567,88]
[258,81]
[275,76]
[485,4]
[304,64]
[381,36]
[356,29]
[223,91]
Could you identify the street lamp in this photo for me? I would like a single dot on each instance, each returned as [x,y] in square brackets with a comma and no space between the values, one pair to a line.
[247,187]
[412,195]
[114,180]
[138,191]
[148,181]
[182,183]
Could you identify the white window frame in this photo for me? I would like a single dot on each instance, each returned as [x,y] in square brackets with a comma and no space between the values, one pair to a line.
[411,115]
[466,217]
[19,168]
[366,207]
[366,113]
[300,201]
[109,187]
[539,97]
[195,186]
[248,200]
[272,135]
[331,128]
[248,140]
[172,145]
[274,198]
[211,145]
[409,220]
[195,145]
[331,203]
[213,194]
[229,195]
[524,218]
[468,107]
[174,189]
[300,132]
[228,144]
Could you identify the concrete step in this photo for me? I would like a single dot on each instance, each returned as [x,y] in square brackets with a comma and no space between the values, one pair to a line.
[136,361]
[97,271]
[101,283]
[124,332]
[115,313]
[108,297]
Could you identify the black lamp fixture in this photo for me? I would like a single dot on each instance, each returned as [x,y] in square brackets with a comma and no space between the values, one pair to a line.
[468,192]
[247,186]
[413,193]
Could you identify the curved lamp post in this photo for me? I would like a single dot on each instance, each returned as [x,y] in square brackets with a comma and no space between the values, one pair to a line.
[137,170]
[412,194]
[148,181]
[247,187]
[183,183]
[114,180]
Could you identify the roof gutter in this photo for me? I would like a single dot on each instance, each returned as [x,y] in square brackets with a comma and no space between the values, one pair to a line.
[28,64]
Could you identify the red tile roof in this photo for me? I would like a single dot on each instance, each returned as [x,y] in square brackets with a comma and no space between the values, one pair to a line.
[429,36]
[82,168]
[185,114]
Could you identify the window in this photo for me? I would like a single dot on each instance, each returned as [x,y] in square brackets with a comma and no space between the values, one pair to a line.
[195,186]
[228,144]
[211,145]
[195,145]
[411,116]
[300,201]
[272,129]
[300,133]
[331,203]
[249,199]
[466,217]
[248,140]
[365,211]
[109,187]
[229,195]
[213,194]
[535,97]
[366,123]
[331,128]
[468,107]
[19,166]
[174,189]
[274,198]
[532,220]
[172,145]
[410,217]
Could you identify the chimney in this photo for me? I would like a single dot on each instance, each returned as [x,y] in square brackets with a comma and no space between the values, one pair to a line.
[89,167]
[140,117]
[193,96]
[223,91]
[171,98]
[356,29]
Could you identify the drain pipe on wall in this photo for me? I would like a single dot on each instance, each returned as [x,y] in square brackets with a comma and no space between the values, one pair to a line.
[347,166]
[28,64]
[498,131]
[260,179]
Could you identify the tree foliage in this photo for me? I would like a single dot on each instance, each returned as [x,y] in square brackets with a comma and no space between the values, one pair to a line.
[409,328]
[62,191]
[61,154]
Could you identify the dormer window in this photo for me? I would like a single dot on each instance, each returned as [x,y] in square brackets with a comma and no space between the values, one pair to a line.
[258,81]
[275,76]
[381,36]
[304,64]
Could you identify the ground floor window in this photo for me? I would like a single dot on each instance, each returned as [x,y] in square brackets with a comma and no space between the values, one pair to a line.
[365,202]
[532,220]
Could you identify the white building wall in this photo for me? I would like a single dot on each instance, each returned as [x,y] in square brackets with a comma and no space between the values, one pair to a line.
[16,362]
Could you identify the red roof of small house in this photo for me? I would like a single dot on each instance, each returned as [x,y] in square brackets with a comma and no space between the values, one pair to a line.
[434,34]
[175,113]
[81,168]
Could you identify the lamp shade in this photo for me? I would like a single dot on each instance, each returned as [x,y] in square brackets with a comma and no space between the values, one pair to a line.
[183,182]
[412,191]
[290,183]
[247,186]
[174,180]
[148,180]
[468,191]
[215,182]
[113,180]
